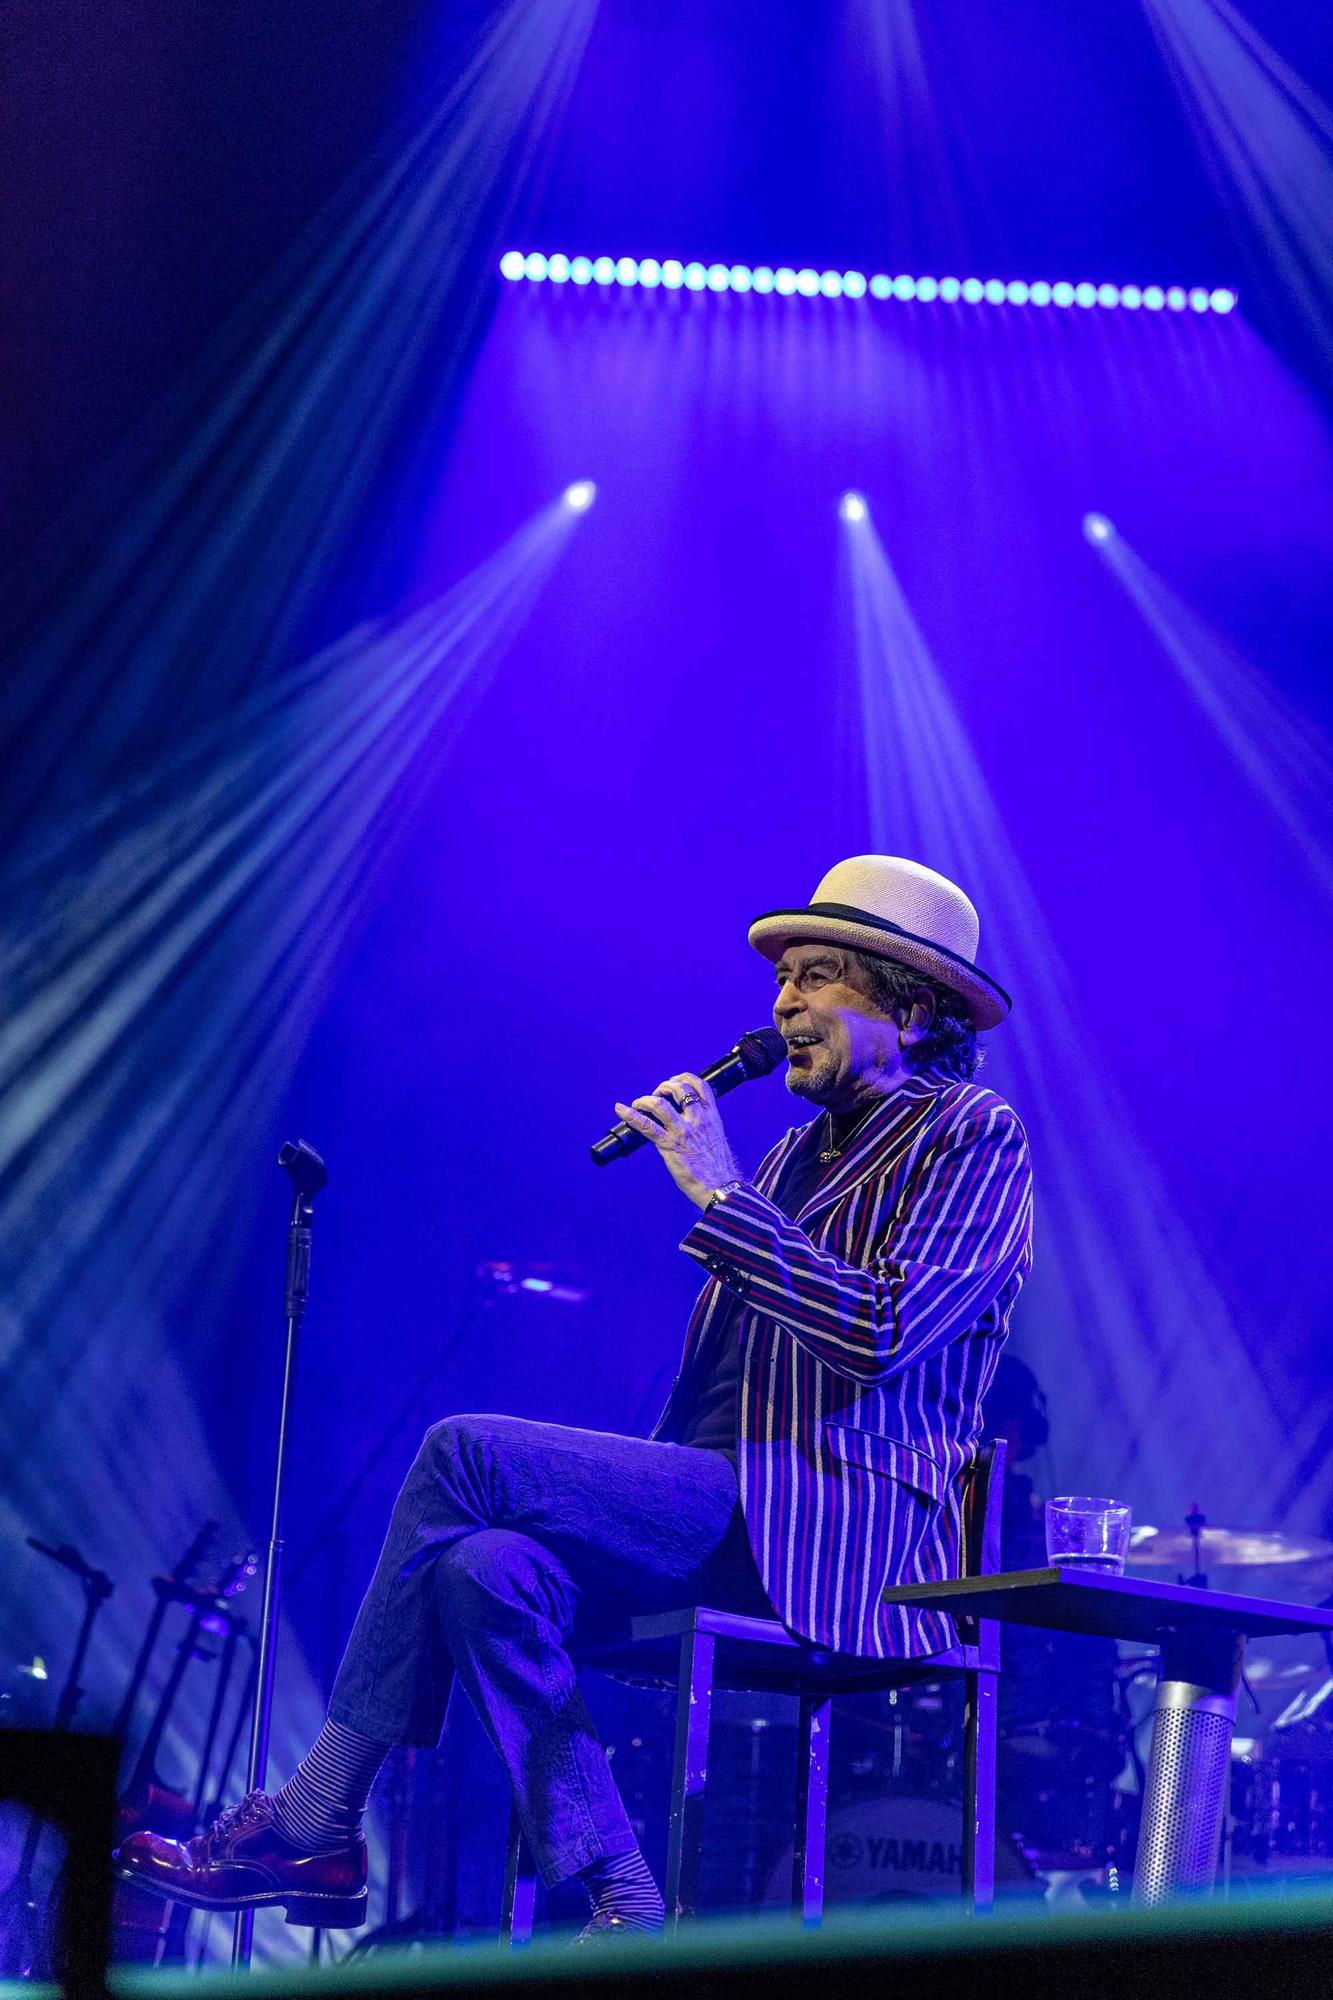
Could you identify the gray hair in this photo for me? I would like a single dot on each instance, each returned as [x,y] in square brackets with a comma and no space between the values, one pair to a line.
[949,1045]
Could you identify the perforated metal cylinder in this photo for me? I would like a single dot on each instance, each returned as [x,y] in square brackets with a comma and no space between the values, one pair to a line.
[1189,1765]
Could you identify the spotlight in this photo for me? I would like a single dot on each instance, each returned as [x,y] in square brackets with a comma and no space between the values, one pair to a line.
[1223,301]
[627,271]
[852,507]
[807,284]
[580,496]
[880,286]
[995,291]
[512,265]
[1098,529]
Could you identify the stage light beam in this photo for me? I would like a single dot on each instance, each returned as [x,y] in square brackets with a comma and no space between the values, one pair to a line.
[1269,140]
[164,955]
[1119,1264]
[1280,750]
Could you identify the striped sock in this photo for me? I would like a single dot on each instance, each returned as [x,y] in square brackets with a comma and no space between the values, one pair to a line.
[622,1886]
[320,1806]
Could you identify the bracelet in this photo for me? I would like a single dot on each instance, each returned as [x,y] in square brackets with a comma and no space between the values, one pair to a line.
[720,1194]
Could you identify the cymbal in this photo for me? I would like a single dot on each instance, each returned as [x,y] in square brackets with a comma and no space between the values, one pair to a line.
[1222,1548]
[1264,1673]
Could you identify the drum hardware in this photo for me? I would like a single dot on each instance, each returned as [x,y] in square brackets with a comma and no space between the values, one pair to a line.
[20,1925]
[1282,1676]
[1281,1810]
[1312,1706]
[901,1848]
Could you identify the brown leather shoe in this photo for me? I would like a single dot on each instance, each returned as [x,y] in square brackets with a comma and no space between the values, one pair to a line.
[242,1862]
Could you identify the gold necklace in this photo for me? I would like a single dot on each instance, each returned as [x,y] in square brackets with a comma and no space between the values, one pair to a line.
[834,1152]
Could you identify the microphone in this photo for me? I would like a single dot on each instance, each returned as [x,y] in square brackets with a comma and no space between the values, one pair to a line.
[755,1054]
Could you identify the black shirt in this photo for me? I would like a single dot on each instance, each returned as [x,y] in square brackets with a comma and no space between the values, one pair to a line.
[711,1424]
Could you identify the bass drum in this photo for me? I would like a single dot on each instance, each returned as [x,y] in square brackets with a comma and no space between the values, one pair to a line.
[902,1849]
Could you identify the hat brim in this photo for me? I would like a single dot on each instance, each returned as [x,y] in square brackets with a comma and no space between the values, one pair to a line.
[858,930]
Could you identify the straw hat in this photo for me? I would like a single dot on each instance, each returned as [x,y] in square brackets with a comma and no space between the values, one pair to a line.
[895,909]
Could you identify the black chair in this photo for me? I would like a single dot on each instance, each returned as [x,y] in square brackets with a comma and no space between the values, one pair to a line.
[698,1649]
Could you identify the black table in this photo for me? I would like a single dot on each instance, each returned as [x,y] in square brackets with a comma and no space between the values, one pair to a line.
[1201,1636]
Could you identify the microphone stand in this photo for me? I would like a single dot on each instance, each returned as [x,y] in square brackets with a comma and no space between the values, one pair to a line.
[308,1175]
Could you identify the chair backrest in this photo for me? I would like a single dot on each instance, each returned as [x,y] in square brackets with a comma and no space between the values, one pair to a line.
[983,1506]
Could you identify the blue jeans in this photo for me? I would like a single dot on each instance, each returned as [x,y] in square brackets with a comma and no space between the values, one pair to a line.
[509,1541]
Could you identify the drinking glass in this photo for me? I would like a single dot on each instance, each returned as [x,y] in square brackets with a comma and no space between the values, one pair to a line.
[1085,1531]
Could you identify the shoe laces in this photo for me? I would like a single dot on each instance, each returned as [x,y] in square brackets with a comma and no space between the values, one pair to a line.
[251,1809]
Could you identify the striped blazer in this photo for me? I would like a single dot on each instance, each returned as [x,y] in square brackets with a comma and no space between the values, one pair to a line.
[870,1328]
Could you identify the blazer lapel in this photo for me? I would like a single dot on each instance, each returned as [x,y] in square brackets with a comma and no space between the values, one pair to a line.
[888,1130]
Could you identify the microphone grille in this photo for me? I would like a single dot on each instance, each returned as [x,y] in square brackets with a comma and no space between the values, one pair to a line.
[761,1051]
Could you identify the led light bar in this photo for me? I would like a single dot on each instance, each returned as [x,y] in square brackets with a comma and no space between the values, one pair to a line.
[669,274]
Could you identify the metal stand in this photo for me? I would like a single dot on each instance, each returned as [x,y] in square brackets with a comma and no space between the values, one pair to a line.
[1189,1764]
[308,1175]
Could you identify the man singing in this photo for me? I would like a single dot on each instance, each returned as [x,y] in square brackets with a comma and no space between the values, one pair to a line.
[811,1452]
